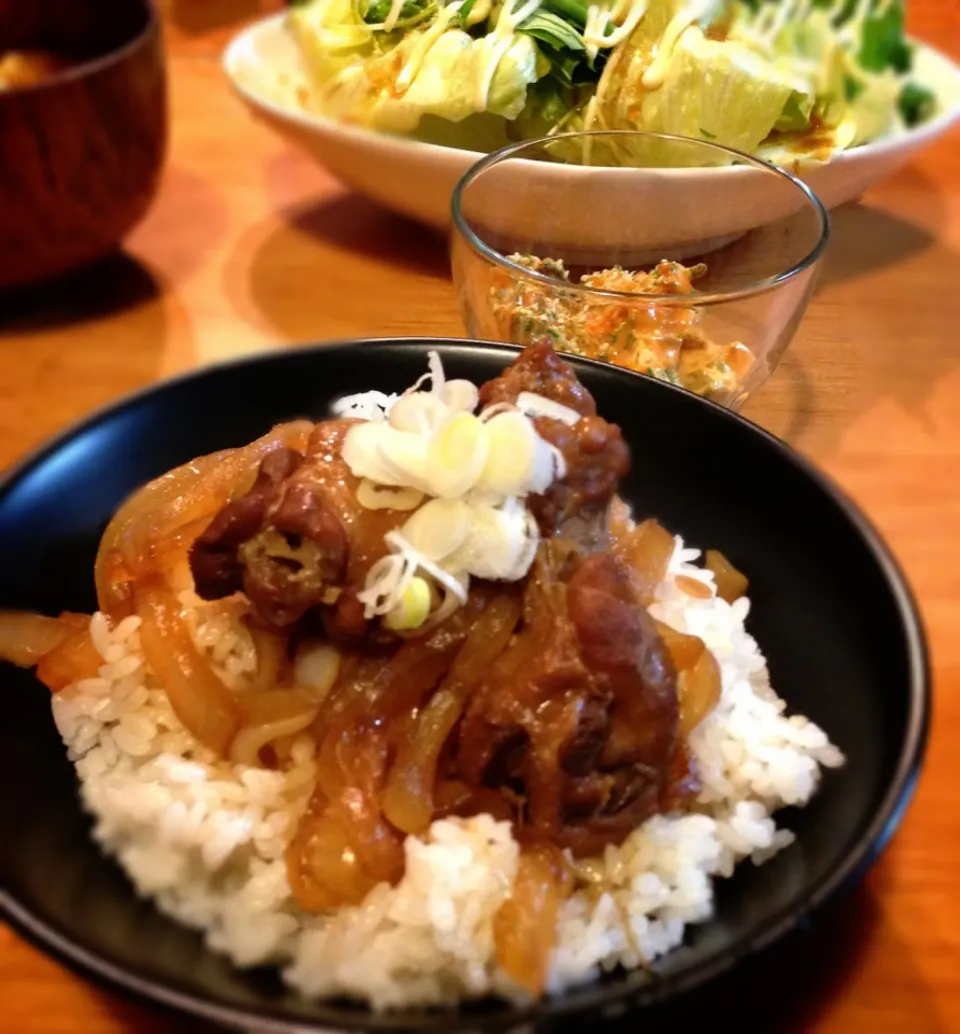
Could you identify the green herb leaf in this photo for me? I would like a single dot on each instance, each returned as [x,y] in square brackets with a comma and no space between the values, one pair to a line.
[377,10]
[573,11]
[916,104]
[549,28]
[464,13]
[883,44]
[852,88]
[707,135]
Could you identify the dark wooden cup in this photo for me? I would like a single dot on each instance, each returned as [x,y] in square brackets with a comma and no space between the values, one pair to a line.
[80,152]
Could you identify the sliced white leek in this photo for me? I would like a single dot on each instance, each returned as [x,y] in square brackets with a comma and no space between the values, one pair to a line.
[404,457]
[456,456]
[512,457]
[421,412]
[498,545]
[366,405]
[460,396]
[412,609]
[438,528]
[440,574]
[450,601]
[540,405]
[434,374]
[385,584]
[361,453]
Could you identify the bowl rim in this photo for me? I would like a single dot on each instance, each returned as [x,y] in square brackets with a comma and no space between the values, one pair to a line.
[869,845]
[755,166]
[94,65]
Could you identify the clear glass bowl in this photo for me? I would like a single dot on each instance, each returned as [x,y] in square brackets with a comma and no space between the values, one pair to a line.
[673,257]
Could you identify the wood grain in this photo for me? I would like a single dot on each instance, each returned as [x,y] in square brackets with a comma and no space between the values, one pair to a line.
[250,246]
[83,150]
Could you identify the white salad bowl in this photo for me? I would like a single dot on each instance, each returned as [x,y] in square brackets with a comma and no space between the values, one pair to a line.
[416,178]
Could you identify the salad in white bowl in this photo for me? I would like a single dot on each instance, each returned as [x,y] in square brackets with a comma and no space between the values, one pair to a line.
[398,97]
[774,78]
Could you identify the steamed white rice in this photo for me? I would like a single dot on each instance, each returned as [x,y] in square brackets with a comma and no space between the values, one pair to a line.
[205,839]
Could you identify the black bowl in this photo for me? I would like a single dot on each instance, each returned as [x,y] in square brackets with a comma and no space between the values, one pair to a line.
[830,609]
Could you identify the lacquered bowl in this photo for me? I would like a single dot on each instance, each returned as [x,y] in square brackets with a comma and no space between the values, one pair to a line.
[82,150]
[830,609]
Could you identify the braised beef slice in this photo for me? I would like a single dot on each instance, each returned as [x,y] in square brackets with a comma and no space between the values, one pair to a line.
[596,456]
[538,369]
[620,643]
[214,555]
[582,754]
[298,541]
[585,691]
[597,459]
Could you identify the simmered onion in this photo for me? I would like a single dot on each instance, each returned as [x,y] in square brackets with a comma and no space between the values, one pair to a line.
[26,637]
[698,676]
[270,716]
[160,520]
[408,800]
[315,668]
[343,845]
[731,583]
[646,550]
[199,699]
[408,797]
[272,660]
[525,927]
[74,659]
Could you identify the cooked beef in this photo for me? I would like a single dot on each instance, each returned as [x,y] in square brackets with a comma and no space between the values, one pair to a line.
[214,555]
[579,716]
[298,540]
[538,369]
[596,456]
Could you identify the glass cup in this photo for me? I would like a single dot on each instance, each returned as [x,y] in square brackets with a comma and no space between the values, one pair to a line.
[673,257]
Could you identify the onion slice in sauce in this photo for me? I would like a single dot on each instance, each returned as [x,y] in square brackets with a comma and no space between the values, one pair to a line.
[698,676]
[26,637]
[731,583]
[267,717]
[525,927]
[199,699]
[158,522]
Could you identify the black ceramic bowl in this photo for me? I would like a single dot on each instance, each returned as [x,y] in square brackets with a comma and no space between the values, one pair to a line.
[830,609]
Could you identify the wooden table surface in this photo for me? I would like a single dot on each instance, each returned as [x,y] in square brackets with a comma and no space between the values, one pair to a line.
[250,246]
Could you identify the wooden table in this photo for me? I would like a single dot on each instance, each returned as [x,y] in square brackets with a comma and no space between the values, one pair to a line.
[250,246]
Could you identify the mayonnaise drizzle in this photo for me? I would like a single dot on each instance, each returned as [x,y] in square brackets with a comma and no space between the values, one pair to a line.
[391,20]
[655,75]
[499,42]
[423,46]
[625,30]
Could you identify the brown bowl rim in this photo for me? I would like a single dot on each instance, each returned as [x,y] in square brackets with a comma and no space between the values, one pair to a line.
[92,66]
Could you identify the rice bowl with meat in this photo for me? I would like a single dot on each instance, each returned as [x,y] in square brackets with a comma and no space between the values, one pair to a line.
[606,869]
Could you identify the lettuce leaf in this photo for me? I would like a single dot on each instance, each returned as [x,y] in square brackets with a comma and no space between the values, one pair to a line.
[446,81]
[723,91]
[330,35]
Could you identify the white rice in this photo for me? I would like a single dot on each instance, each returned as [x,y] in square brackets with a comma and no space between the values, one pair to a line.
[205,839]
